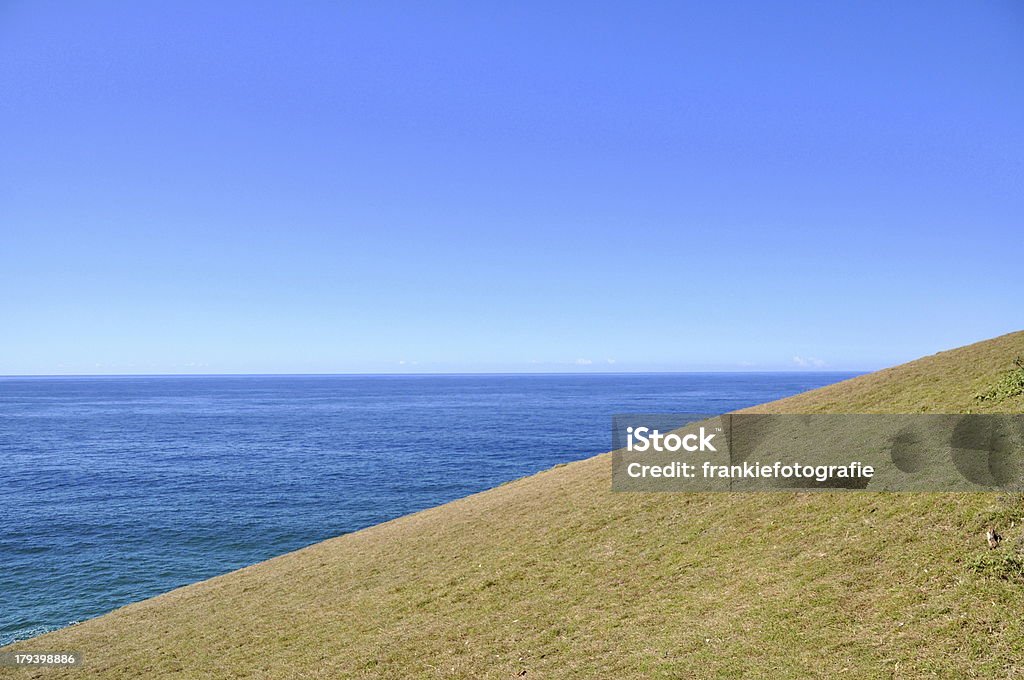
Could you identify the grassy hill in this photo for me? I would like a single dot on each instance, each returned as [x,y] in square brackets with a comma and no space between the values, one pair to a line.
[555,576]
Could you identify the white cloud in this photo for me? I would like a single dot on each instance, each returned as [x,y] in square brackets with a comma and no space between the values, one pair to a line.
[610,361]
[583,362]
[809,362]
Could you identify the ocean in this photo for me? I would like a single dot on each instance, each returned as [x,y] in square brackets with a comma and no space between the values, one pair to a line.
[115,489]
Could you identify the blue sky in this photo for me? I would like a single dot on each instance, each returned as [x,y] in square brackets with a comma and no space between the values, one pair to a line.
[404,187]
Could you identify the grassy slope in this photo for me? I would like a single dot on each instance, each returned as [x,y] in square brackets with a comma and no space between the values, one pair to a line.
[559,577]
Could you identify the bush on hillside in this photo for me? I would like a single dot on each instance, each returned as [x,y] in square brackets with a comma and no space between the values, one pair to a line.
[1003,564]
[1010,385]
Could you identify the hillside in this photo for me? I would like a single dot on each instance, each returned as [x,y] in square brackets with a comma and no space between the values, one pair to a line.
[555,576]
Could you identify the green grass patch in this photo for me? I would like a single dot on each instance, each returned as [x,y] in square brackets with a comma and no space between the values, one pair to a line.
[1010,384]
[1003,564]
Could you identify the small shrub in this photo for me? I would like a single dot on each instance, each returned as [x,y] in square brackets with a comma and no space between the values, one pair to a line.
[1010,385]
[1002,564]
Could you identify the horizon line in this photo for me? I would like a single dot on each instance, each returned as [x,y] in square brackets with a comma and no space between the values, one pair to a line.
[421,374]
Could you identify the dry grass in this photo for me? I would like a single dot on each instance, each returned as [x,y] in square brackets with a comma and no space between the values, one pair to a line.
[947,382]
[555,576]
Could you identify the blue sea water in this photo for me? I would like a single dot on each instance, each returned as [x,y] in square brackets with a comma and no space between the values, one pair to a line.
[114,489]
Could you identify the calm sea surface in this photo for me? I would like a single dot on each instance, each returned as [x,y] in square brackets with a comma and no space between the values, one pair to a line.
[117,489]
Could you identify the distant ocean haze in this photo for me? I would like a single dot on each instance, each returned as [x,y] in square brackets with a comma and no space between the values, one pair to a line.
[114,489]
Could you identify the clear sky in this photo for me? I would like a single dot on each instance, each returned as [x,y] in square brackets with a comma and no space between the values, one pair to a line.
[400,187]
